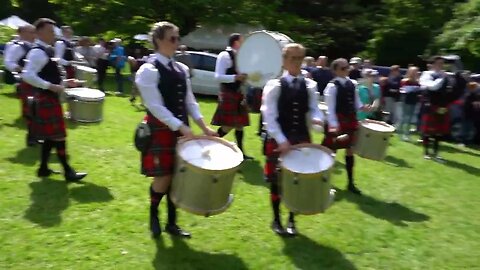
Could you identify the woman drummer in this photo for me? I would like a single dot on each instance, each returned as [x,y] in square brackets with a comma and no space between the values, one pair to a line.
[287,104]
[167,93]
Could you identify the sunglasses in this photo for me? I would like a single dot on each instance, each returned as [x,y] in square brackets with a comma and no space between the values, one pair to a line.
[174,39]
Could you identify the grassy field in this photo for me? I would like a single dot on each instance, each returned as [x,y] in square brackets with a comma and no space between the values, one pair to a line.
[415,214]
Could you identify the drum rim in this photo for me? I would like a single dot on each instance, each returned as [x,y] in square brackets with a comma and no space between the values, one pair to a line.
[317,146]
[83,98]
[277,43]
[217,139]
[391,128]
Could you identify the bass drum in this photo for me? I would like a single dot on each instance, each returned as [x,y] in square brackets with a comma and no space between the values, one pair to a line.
[260,57]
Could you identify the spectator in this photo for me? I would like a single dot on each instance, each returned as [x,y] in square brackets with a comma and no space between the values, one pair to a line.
[322,74]
[471,119]
[369,93]
[101,54]
[135,61]
[185,58]
[308,64]
[367,63]
[410,89]
[118,59]
[355,66]
[392,95]
[86,50]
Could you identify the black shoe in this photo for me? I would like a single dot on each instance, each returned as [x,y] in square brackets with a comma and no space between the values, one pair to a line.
[155,226]
[72,176]
[245,157]
[46,172]
[278,228]
[174,230]
[352,188]
[291,230]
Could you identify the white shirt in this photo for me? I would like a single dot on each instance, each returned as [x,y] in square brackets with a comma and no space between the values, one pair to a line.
[147,79]
[13,53]
[224,62]
[60,51]
[100,51]
[331,100]
[427,81]
[36,60]
[269,108]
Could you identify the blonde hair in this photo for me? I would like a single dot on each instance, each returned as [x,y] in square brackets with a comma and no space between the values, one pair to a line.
[412,73]
[292,46]
[159,29]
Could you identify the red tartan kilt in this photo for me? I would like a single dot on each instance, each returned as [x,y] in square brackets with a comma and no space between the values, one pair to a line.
[230,112]
[159,159]
[255,101]
[26,90]
[48,122]
[271,168]
[434,123]
[348,124]
[70,72]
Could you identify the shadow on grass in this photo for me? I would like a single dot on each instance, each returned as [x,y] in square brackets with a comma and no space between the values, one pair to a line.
[450,149]
[307,254]
[392,212]
[397,162]
[49,198]
[181,256]
[464,167]
[252,172]
[9,94]
[27,156]
[19,123]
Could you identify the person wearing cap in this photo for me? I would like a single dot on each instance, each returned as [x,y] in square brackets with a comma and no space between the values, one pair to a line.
[167,93]
[14,62]
[369,93]
[355,69]
[65,51]
[343,103]
[118,59]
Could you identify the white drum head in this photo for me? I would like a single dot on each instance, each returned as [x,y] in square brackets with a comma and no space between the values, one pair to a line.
[378,126]
[307,160]
[86,94]
[210,154]
[86,69]
[260,57]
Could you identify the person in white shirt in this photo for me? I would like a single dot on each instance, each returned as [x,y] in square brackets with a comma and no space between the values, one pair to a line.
[288,104]
[14,62]
[232,110]
[167,93]
[343,103]
[64,51]
[42,72]
[102,62]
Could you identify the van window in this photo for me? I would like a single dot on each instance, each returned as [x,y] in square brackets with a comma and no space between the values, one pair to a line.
[207,63]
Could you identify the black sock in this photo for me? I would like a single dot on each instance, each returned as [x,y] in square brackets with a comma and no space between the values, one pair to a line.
[155,199]
[239,138]
[260,125]
[291,217]
[275,199]
[62,155]
[349,163]
[426,142]
[436,142]
[172,211]
[45,154]
[221,132]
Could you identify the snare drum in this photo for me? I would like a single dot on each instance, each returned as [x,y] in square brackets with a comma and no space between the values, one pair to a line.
[373,139]
[305,178]
[260,56]
[206,168]
[87,74]
[85,104]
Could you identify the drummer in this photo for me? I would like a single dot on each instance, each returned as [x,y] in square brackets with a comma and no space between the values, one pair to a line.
[167,93]
[343,103]
[14,63]
[297,97]
[232,111]
[42,72]
[64,51]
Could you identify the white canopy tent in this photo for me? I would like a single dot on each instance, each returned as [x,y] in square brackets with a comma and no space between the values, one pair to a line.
[215,37]
[15,22]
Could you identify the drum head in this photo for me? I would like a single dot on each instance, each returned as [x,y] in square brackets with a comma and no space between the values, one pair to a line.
[210,154]
[86,69]
[378,126]
[86,94]
[260,56]
[308,160]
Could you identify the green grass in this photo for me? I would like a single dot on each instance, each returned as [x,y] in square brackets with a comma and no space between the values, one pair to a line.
[415,214]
